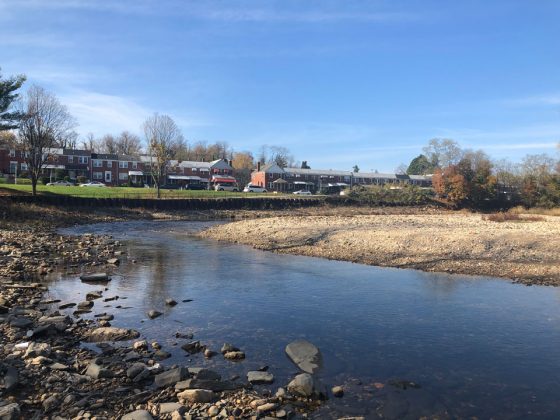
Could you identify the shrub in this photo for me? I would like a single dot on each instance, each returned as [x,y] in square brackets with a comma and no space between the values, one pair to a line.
[45,180]
[3,180]
[392,195]
[67,178]
[81,179]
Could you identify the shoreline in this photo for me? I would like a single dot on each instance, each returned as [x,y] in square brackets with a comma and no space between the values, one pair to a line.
[448,242]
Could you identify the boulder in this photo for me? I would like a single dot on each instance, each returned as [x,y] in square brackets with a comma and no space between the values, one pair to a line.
[171,377]
[140,345]
[169,407]
[85,305]
[206,374]
[95,278]
[154,314]
[192,347]
[10,378]
[337,391]
[170,302]
[258,377]
[302,385]
[305,355]
[196,396]
[94,295]
[110,334]
[234,355]
[137,415]
[226,348]
[135,369]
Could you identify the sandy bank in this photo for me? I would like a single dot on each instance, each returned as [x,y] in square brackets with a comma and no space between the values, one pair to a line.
[524,251]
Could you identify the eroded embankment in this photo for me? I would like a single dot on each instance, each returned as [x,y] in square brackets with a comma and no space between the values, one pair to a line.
[526,251]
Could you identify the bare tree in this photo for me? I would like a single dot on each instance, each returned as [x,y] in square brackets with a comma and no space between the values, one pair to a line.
[45,124]
[443,152]
[162,134]
[129,144]
[401,169]
[90,143]
[108,144]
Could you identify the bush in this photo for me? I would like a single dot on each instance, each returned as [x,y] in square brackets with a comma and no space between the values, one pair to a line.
[23,175]
[67,178]
[81,179]
[3,180]
[23,181]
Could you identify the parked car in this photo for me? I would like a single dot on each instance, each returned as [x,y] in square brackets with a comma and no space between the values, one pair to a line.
[93,184]
[303,192]
[195,187]
[254,188]
[170,187]
[227,187]
[59,184]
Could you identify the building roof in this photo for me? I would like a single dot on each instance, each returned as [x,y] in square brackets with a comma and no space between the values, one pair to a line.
[194,164]
[319,172]
[106,156]
[72,152]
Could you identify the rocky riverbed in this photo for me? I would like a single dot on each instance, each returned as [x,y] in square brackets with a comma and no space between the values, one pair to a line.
[524,250]
[54,363]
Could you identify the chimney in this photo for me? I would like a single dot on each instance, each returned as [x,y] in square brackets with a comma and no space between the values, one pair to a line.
[258,166]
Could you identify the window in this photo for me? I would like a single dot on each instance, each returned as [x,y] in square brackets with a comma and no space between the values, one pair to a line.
[123,177]
[70,159]
[123,165]
[134,165]
[98,175]
[24,167]
[83,160]
[109,164]
[194,169]
[13,167]
[97,163]
[12,153]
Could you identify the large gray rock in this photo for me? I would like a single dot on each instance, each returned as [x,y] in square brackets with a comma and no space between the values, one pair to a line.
[111,334]
[138,415]
[135,369]
[10,412]
[171,377]
[305,355]
[169,407]
[302,385]
[258,377]
[9,379]
[196,396]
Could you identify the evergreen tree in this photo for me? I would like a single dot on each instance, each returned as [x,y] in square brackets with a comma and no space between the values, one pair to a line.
[8,87]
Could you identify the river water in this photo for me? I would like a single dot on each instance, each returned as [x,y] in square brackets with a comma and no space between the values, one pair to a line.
[475,346]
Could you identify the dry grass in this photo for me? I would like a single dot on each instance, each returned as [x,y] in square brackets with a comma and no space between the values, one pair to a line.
[537,210]
[501,217]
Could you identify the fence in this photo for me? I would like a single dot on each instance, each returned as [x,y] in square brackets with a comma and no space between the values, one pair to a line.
[230,203]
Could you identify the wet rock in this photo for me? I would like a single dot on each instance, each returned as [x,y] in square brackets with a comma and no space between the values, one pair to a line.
[226,348]
[403,384]
[212,385]
[10,412]
[114,261]
[97,372]
[161,355]
[213,411]
[135,369]
[208,353]
[156,346]
[234,355]
[170,302]
[192,347]
[337,391]
[196,396]
[50,403]
[137,415]
[94,295]
[140,345]
[88,304]
[265,408]
[21,322]
[67,305]
[302,385]
[95,278]
[171,377]
[110,334]
[305,355]
[37,349]
[154,314]
[258,377]
[58,366]
[205,374]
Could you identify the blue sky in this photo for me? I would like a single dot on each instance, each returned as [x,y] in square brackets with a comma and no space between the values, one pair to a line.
[338,82]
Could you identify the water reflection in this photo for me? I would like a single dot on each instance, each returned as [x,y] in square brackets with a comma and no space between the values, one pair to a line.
[479,347]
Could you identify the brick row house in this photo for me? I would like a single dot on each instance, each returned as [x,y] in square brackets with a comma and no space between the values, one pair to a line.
[114,170]
[274,178]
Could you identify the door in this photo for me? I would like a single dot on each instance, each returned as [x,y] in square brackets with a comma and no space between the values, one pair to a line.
[108,176]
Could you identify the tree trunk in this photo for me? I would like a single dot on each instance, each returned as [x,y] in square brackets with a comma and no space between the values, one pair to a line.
[158,194]
[34,185]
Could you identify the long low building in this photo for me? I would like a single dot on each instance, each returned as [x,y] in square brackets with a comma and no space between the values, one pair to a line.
[275,178]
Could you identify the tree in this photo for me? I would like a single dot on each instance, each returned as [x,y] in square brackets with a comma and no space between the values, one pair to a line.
[401,169]
[108,144]
[162,134]
[90,143]
[8,87]
[7,138]
[443,152]
[243,164]
[355,169]
[420,165]
[45,125]
[128,144]
[450,184]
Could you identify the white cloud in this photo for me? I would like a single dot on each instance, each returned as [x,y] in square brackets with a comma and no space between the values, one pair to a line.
[100,113]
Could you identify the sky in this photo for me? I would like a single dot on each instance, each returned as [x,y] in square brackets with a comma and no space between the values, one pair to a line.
[338,82]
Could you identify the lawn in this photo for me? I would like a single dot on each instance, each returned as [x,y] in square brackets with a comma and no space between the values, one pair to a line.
[129,192]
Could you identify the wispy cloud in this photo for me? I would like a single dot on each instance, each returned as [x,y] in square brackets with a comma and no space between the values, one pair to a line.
[100,113]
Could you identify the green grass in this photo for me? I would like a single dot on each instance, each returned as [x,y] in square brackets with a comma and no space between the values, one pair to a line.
[129,192]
